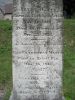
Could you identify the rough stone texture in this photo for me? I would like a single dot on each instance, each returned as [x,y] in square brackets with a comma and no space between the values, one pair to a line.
[37,50]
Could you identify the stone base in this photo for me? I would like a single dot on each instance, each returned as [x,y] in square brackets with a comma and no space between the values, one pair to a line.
[12,97]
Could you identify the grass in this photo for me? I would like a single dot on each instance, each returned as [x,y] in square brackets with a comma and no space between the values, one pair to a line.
[5,55]
[69,58]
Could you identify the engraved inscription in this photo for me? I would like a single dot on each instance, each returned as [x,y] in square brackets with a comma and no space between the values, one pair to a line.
[37,49]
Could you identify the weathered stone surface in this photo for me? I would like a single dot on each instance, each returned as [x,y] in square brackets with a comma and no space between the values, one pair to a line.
[37,50]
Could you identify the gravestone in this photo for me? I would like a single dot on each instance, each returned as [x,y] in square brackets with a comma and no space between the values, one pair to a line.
[37,50]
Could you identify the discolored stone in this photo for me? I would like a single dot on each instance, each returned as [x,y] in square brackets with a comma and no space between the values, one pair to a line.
[37,50]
